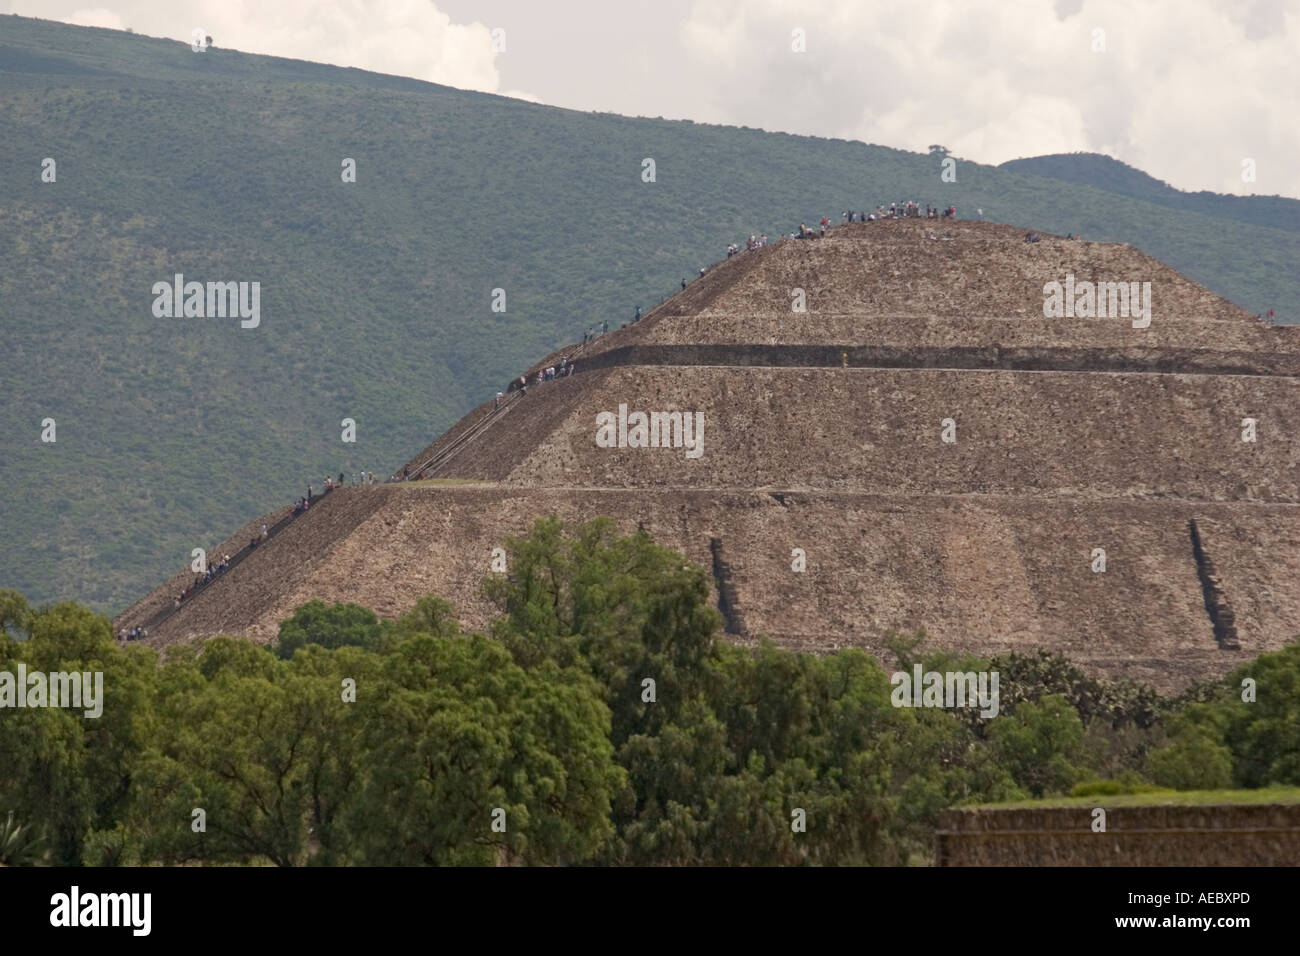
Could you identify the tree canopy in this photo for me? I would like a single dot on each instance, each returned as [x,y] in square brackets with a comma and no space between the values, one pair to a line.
[602,720]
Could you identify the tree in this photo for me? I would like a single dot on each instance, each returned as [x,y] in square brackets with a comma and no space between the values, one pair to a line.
[66,773]
[458,738]
[329,626]
[15,614]
[1264,732]
[267,749]
[625,608]
[1194,761]
[1029,677]
[1038,744]
[431,615]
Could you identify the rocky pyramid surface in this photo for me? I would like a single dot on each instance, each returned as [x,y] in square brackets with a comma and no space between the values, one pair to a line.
[919,447]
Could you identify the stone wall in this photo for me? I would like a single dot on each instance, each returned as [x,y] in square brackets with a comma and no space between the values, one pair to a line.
[1134,836]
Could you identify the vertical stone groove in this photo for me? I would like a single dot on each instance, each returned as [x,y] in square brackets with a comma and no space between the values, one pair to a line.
[1216,602]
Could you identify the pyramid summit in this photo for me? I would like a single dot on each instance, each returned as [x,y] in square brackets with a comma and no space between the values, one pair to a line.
[899,433]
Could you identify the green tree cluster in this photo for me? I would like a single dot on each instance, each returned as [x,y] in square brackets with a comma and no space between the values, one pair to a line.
[601,721]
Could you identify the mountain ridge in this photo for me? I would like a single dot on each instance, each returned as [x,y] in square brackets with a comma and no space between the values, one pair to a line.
[1106,172]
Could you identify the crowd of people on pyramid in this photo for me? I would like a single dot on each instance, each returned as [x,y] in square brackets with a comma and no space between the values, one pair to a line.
[752,243]
[901,209]
[552,372]
[548,374]
[221,566]
[1035,237]
[213,571]
[563,370]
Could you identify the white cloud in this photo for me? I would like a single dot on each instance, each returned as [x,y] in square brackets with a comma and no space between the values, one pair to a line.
[1185,88]
[402,37]
[99,17]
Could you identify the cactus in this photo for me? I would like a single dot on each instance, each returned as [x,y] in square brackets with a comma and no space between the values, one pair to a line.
[18,845]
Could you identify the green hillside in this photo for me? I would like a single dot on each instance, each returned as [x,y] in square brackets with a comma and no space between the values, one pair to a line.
[375,295]
[1103,172]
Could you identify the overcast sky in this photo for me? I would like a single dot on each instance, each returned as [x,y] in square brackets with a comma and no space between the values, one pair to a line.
[1186,90]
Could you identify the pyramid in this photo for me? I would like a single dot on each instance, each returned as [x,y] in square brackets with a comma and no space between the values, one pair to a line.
[918,447]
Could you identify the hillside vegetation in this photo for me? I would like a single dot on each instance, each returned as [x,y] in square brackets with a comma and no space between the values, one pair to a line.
[375,295]
[1103,172]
